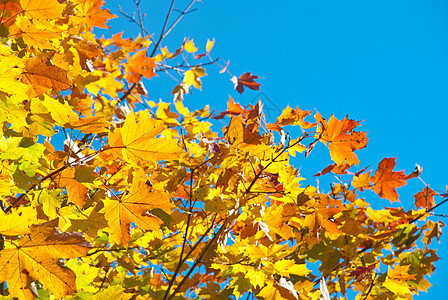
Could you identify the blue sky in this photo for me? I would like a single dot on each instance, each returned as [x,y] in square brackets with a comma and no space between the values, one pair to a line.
[385,62]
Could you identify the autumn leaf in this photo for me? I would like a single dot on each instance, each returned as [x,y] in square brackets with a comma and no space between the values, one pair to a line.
[133,207]
[342,140]
[139,141]
[385,181]
[10,72]
[400,273]
[295,116]
[140,65]
[362,271]
[425,198]
[246,80]
[90,13]
[42,10]
[18,222]
[193,77]
[362,181]
[43,76]
[77,192]
[169,206]
[33,35]
[190,47]
[36,257]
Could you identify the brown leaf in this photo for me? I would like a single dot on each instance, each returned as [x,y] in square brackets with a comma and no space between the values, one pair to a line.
[246,80]
[425,198]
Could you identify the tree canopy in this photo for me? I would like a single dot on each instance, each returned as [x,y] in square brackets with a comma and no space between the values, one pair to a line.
[105,194]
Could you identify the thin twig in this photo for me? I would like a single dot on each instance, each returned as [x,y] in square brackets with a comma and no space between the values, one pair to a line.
[197,261]
[185,11]
[162,33]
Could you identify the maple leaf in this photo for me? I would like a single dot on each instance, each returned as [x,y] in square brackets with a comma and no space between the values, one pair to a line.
[10,72]
[134,207]
[189,46]
[193,77]
[400,273]
[43,76]
[140,65]
[425,198]
[18,222]
[77,192]
[385,180]
[362,271]
[138,140]
[12,113]
[362,181]
[342,140]
[246,80]
[89,12]
[37,257]
[33,35]
[295,116]
[42,9]
[336,169]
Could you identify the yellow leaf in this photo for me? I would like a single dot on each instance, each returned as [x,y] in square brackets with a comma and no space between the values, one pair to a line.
[193,77]
[37,257]
[298,147]
[18,222]
[140,142]
[10,70]
[12,113]
[42,9]
[209,46]
[182,109]
[133,207]
[397,287]
[35,36]
[190,47]
[60,113]
[381,216]
[286,267]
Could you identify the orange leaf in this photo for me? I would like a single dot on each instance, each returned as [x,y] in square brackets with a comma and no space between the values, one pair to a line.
[400,273]
[342,140]
[234,108]
[336,169]
[77,192]
[43,76]
[425,198]
[140,65]
[385,180]
[246,80]
[89,12]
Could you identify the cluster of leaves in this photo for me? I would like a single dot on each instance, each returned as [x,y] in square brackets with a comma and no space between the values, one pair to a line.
[155,204]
